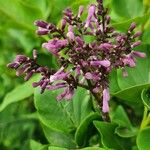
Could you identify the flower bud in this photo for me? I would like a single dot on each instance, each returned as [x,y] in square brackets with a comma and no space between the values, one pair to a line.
[41,31]
[81,8]
[136,44]
[132,26]
[137,34]
[41,24]
[139,54]
[63,24]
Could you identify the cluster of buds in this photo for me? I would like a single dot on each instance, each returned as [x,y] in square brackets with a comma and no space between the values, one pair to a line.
[82,63]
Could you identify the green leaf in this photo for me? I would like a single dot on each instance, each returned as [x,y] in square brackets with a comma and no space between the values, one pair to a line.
[62,118]
[138,78]
[120,8]
[19,93]
[83,129]
[34,145]
[124,8]
[146,98]
[123,26]
[143,139]
[71,111]
[120,117]
[131,94]
[82,105]
[52,113]
[56,148]
[92,148]
[20,14]
[125,128]
[114,87]
[59,138]
[146,33]
[108,137]
[41,6]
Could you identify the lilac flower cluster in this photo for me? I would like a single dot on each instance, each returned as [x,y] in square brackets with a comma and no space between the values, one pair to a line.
[84,64]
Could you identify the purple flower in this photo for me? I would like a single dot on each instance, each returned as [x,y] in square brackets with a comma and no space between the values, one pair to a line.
[63,24]
[68,13]
[132,26]
[41,24]
[79,41]
[81,8]
[55,45]
[128,60]
[57,86]
[96,89]
[78,70]
[59,76]
[67,94]
[138,54]
[124,72]
[20,58]
[91,12]
[105,63]
[13,65]
[29,75]
[82,62]
[106,98]
[136,44]
[42,31]
[137,34]
[106,47]
[92,76]
[70,33]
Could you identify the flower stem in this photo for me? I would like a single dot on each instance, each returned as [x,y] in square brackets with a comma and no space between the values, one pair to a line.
[146,118]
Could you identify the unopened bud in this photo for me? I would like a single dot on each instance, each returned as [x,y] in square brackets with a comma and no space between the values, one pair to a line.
[137,34]
[81,8]
[132,26]
[41,24]
[136,44]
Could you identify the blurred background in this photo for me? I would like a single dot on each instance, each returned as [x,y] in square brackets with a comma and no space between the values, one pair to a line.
[18,123]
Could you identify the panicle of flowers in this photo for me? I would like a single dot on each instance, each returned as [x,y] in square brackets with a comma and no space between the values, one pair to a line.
[84,64]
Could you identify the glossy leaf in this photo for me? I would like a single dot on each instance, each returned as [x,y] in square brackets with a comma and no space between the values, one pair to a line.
[59,138]
[143,139]
[125,128]
[108,137]
[120,117]
[61,118]
[145,98]
[82,105]
[82,130]
[51,112]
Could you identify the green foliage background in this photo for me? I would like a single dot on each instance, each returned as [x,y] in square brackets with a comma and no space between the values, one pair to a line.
[32,121]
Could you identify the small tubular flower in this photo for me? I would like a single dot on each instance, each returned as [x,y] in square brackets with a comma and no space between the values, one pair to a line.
[106,98]
[91,12]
